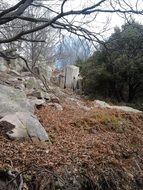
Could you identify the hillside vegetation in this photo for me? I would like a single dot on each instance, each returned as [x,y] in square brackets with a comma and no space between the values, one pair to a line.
[115,70]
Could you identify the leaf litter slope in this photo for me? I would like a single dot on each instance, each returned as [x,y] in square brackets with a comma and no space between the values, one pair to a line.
[86,141]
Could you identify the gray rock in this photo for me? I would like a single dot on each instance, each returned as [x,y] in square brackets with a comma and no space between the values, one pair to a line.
[57,91]
[16,83]
[126,109]
[101,104]
[39,94]
[46,96]
[37,102]
[23,125]
[26,74]
[13,73]
[32,83]
[35,93]
[17,64]
[54,98]
[3,66]
[13,100]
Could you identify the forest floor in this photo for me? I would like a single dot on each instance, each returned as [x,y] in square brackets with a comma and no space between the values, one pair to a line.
[104,145]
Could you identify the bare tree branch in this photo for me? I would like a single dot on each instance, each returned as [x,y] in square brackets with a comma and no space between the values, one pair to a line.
[17,11]
[12,8]
[62,6]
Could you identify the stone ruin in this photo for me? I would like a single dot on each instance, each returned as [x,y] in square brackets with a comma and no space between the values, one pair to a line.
[69,78]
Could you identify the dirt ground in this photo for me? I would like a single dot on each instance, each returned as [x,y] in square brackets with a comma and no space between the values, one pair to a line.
[105,145]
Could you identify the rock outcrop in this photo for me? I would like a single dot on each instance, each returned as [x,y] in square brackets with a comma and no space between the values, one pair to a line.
[23,125]
[102,104]
[16,111]
[13,100]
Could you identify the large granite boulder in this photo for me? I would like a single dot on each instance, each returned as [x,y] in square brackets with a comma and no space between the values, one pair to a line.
[126,109]
[13,100]
[23,125]
[101,104]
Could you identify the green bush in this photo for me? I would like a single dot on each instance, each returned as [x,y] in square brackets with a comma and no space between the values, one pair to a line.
[115,71]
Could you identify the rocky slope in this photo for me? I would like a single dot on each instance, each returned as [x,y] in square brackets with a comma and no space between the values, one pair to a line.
[92,145]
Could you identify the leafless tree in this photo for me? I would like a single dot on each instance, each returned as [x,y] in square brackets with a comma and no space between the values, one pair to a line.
[40,47]
[60,13]
[74,16]
[17,25]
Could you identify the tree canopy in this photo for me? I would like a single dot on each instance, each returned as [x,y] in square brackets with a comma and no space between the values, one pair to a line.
[116,69]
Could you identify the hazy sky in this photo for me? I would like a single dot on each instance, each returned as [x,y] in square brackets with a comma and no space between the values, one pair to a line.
[102,18]
[97,24]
